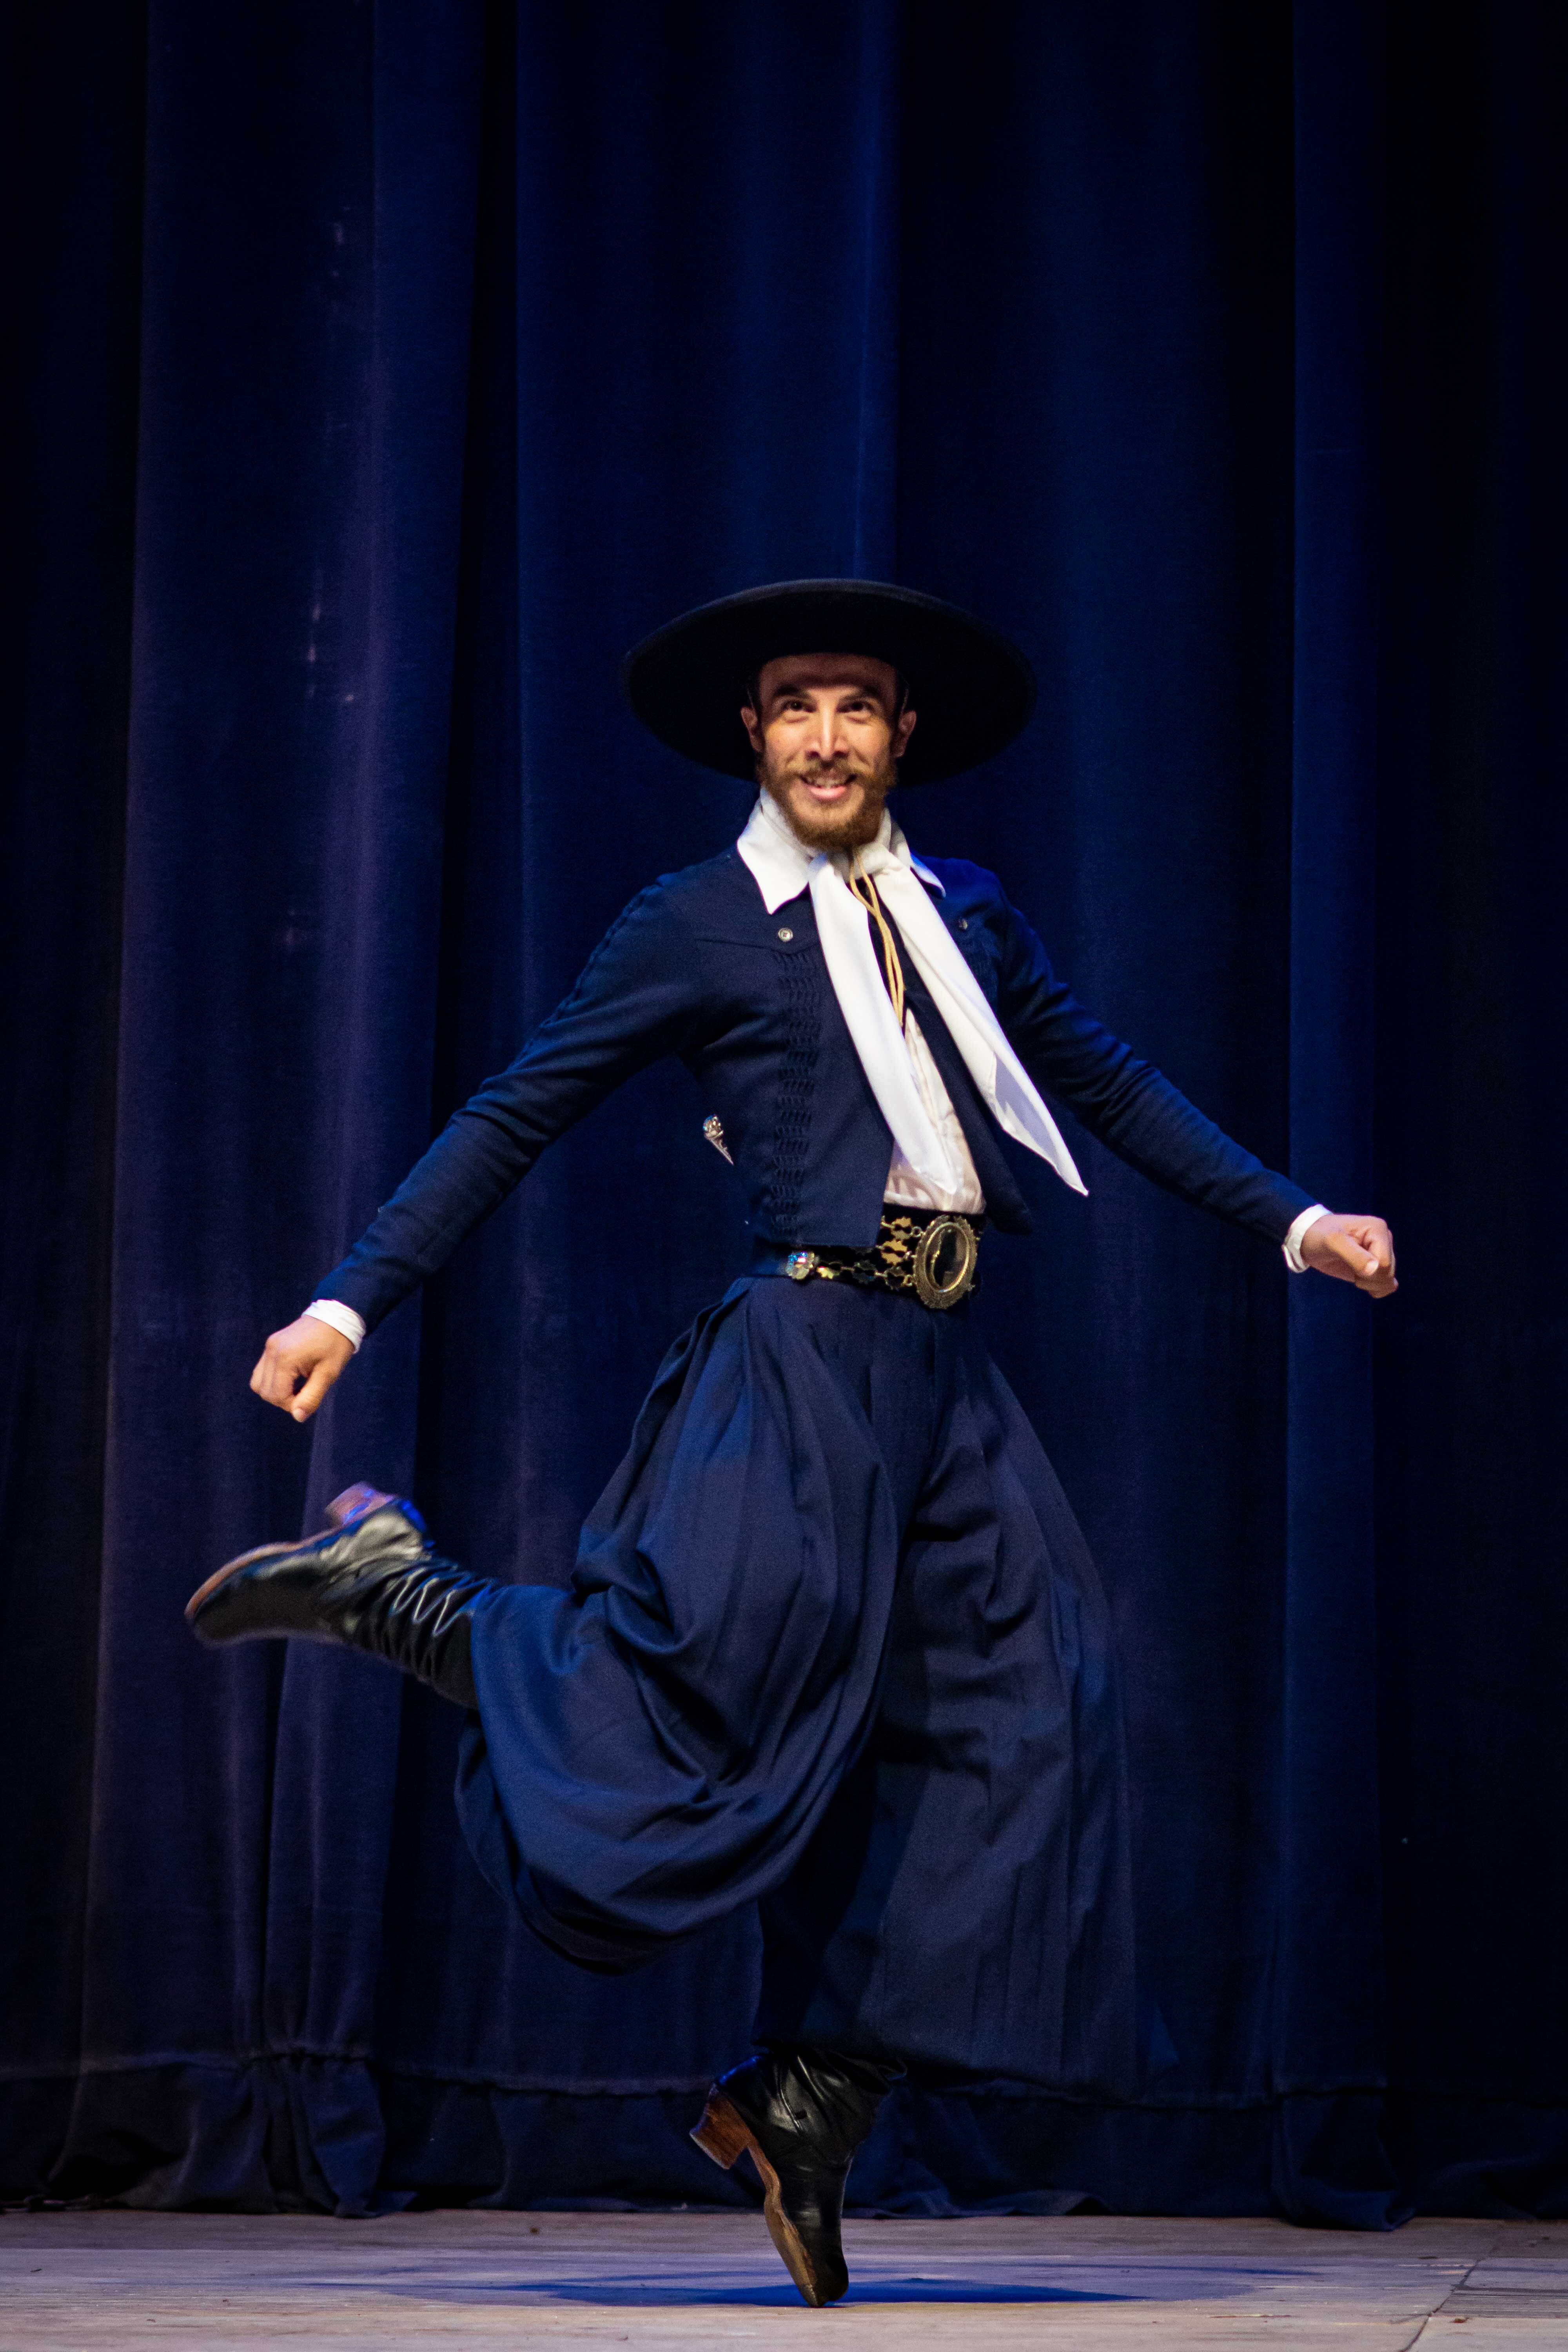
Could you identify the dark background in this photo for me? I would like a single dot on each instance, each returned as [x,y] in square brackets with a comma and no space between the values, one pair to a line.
[379,370]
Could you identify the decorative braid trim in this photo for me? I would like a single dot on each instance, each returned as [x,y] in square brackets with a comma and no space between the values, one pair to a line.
[791,1124]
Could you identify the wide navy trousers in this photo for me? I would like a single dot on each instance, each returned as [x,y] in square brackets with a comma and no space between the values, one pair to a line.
[833,1643]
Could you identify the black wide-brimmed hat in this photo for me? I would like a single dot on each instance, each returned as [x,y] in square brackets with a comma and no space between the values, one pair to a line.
[971,687]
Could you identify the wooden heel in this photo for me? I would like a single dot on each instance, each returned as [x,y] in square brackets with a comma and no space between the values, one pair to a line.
[721,2134]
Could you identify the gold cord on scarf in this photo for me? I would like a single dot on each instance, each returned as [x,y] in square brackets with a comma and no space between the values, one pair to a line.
[865,889]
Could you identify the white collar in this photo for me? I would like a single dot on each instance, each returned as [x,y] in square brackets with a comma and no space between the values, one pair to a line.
[781,863]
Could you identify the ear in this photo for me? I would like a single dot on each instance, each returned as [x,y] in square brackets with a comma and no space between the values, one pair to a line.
[901,733]
[753,730]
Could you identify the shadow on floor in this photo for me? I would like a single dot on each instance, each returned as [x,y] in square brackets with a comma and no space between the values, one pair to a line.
[669,2293]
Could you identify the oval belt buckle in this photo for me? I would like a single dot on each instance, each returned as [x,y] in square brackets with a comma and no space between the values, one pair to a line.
[945,1288]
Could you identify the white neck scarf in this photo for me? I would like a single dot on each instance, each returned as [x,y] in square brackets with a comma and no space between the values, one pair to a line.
[782,866]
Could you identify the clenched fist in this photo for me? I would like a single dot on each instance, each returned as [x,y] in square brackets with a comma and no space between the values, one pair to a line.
[1353,1249]
[298,1365]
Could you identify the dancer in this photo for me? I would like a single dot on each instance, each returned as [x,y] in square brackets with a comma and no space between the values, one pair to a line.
[833,1643]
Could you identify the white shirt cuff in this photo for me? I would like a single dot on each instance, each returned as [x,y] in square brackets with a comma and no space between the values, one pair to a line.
[343,1319]
[1291,1245]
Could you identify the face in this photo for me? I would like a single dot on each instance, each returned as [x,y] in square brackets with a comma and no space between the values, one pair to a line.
[828,735]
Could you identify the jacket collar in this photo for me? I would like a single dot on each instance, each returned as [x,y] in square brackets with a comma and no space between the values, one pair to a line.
[780,863]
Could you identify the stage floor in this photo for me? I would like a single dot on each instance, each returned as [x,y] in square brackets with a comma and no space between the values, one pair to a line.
[505,2281]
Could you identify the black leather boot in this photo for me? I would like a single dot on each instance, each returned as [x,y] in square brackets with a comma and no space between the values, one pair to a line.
[370,1580]
[801,2114]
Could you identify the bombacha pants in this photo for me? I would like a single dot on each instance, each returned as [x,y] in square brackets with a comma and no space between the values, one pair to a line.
[833,1645]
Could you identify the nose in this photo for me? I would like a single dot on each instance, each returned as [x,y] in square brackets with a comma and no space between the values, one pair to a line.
[824,739]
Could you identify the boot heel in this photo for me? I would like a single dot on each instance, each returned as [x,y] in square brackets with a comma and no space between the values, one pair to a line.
[721,2134]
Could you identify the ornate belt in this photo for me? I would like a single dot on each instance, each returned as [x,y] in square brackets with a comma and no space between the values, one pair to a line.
[924,1253]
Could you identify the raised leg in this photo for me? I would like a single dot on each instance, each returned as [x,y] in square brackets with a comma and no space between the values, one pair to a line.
[372,1582]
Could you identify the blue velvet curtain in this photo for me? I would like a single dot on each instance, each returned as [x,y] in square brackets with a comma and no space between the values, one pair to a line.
[381,368]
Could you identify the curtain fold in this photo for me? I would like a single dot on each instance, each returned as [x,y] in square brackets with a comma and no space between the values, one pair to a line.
[389,368]
[1328,1957]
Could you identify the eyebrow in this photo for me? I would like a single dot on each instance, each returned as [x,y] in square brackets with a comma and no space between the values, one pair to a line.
[867,693]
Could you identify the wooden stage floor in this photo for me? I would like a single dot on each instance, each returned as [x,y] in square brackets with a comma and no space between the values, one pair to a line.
[104,2281]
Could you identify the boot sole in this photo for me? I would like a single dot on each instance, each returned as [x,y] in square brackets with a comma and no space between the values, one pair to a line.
[203,1592]
[724,2135]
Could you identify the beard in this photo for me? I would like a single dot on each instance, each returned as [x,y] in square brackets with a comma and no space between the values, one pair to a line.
[857,819]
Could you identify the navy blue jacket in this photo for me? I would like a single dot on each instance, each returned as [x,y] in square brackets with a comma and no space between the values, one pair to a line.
[696,966]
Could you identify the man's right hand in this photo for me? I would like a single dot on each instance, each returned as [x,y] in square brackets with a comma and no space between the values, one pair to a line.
[298,1365]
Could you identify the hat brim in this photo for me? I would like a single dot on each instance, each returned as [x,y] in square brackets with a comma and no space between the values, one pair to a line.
[971,687]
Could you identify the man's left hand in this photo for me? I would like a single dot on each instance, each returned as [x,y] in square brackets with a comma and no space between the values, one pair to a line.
[1353,1249]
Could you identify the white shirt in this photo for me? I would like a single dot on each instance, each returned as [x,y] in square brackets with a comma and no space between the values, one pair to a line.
[780,863]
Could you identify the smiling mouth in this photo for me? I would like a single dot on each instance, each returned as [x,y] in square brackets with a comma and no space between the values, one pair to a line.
[827,788]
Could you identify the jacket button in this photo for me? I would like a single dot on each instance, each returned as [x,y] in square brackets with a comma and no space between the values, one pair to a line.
[784,931]
[964,922]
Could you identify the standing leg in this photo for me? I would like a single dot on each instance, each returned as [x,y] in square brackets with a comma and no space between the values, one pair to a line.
[967,1900]
[800,2114]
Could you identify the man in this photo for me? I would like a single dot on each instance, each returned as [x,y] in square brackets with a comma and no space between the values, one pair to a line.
[833,1642]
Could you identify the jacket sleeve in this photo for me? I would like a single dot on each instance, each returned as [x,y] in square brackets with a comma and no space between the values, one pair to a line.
[1126,1102]
[635,1001]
